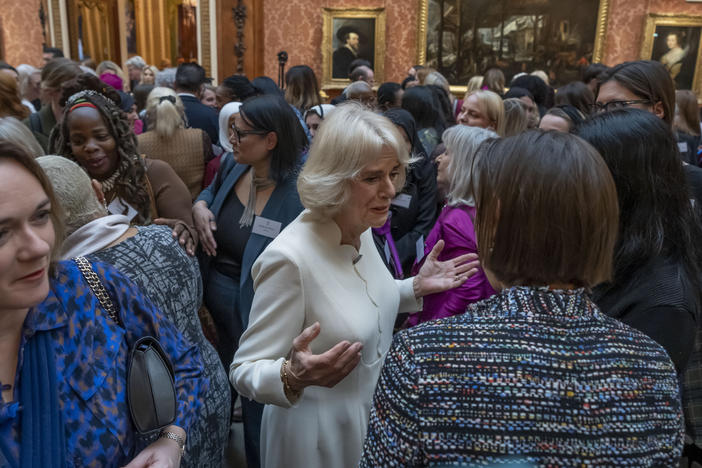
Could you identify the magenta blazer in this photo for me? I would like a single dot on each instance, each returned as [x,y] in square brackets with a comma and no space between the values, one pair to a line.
[455,227]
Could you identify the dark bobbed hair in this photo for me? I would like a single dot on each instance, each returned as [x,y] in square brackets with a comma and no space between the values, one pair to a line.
[646,79]
[404,119]
[240,88]
[558,225]
[273,114]
[130,185]
[576,94]
[386,94]
[421,103]
[570,114]
[14,152]
[301,88]
[266,85]
[141,94]
[593,71]
[442,101]
[516,92]
[536,87]
[55,51]
[408,79]
[657,218]
[190,76]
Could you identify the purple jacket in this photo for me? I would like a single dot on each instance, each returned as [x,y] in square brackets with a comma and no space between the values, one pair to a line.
[455,227]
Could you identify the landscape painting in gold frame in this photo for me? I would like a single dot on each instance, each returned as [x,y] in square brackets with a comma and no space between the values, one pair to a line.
[462,38]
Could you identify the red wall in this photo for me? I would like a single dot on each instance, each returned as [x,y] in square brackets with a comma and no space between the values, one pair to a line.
[21,32]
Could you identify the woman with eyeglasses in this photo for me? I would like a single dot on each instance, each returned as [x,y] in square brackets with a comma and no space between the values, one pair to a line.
[252,198]
[646,85]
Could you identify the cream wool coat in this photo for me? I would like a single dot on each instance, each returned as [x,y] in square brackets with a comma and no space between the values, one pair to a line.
[302,277]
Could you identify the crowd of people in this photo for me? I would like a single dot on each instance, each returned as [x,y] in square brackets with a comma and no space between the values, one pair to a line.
[398,277]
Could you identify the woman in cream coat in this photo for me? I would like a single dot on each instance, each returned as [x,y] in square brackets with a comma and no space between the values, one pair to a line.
[324,305]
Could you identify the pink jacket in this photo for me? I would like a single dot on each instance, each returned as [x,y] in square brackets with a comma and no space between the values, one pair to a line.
[455,227]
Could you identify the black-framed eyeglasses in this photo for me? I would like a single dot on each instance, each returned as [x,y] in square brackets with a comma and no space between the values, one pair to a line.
[243,133]
[611,105]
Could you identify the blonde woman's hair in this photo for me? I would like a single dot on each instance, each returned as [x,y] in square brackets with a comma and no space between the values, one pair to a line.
[475,83]
[15,131]
[462,142]
[350,138]
[492,106]
[164,112]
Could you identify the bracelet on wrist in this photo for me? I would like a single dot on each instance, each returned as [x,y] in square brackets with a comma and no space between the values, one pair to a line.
[290,394]
[174,437]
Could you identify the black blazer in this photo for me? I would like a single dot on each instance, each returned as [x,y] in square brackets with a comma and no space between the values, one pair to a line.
[202,117]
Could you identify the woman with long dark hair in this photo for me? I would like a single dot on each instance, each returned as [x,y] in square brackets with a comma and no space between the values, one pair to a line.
[252,198]
[656,282]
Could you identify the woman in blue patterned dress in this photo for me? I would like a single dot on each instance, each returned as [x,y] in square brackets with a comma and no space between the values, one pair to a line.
[63,372]
[536,375]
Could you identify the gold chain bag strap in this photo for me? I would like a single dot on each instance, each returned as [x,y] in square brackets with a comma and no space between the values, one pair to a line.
[151,394]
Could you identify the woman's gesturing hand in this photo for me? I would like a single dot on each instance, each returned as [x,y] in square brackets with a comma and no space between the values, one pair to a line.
[204,224]
[436,276]
[326,369]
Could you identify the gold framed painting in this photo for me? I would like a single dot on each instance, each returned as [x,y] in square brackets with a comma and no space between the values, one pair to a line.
[463,38]
[349,34]
[676,42]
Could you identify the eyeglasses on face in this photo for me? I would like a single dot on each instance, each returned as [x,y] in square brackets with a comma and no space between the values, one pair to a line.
[242,133]
[611,105]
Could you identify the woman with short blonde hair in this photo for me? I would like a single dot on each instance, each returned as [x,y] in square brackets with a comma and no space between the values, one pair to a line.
[322,279]
[483,109]
[323,183]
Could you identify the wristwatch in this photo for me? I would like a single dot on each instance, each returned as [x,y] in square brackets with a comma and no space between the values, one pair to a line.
[173,436]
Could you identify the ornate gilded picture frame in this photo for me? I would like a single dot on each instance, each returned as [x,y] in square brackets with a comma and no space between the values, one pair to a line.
[349,34]
[676,42]
[462,38]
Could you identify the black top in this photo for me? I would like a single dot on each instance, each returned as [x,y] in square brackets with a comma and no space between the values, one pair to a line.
[231,238]
[200,116]
[693,175]
[658,301]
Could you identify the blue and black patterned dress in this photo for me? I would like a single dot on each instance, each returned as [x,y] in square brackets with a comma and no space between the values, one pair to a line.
[91,360]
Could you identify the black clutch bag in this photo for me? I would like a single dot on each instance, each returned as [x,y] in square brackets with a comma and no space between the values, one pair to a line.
[151,393]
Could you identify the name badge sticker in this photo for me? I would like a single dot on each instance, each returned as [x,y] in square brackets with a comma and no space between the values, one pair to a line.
[420,248]
[682,146]
[266,227]
[386,249]
[403,200]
